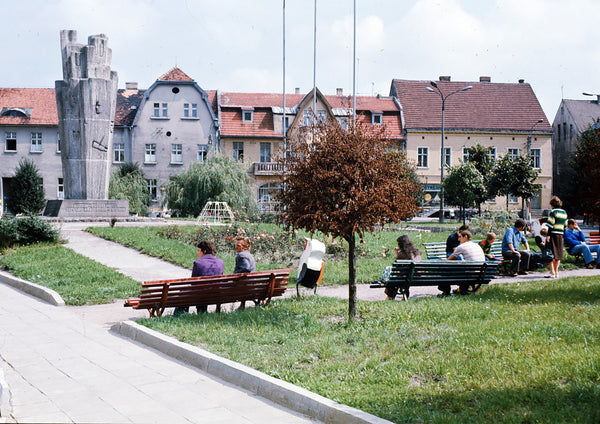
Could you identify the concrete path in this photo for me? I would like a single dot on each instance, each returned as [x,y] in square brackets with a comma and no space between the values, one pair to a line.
[60,367]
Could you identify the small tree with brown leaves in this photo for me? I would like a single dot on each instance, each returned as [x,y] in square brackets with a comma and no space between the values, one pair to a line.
[345,183]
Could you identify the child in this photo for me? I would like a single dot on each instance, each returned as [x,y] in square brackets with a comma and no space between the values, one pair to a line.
[486,246]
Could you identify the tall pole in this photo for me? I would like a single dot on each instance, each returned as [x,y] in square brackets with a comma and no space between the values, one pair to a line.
[283,126]
[439,92]
[314,110]
[354,70]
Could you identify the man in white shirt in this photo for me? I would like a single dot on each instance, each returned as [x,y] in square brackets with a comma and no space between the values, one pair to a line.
[467,250]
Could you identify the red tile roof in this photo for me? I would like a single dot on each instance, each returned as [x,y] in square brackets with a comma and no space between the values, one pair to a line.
[42,101]
[262,125]
[486,106]
[128,103]
[175,74]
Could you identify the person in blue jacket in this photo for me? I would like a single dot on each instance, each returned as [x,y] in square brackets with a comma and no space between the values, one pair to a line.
[513,237]
[576,245]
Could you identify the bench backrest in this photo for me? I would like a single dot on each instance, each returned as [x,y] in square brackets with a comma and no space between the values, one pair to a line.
[438,250]
[434,272]
[212,290]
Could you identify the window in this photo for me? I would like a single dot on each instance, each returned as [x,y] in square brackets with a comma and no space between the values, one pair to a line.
[447,156]
[307,116]
[238,151]
[343,123]
[513,199]
[161,110]
[265,152]
[190,110]
[60,194]
[536,158]
[202,152]
[150,155]
[267,193]
[57,142]
[423,157]
[377,119]
[36,142]
[176,153]
[11,142]
[321,116]
[512,153]
[492,153]
[152,189]
[465,155]
[247,115]
[119,152]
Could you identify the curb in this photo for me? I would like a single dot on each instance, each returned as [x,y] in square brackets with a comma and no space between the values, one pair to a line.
[4,402]
[256,382]
[41,292]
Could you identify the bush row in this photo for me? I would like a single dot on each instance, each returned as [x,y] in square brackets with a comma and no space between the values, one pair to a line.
[26,230]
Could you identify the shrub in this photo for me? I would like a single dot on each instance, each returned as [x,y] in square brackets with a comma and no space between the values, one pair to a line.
[8,232]
[27,192]
[26,230]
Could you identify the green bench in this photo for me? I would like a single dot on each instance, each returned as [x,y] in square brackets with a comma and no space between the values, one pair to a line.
[406,273]
[438,250]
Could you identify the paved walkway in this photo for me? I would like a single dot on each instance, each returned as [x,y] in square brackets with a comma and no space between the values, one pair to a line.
[60,367]
[63,365]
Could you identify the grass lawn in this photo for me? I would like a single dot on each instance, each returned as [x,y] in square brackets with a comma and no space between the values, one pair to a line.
[78,280]
[515,353]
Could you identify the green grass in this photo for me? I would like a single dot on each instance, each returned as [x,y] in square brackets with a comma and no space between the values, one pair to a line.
[515,353]
[78,280]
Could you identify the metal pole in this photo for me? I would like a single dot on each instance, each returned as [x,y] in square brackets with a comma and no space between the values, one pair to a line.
[283,126]
[441,219]
[354,71]
[315,66]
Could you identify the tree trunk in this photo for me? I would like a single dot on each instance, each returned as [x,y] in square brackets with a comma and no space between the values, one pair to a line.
[351,277]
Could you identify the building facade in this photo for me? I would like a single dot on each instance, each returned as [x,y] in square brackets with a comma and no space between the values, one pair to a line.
[507,118]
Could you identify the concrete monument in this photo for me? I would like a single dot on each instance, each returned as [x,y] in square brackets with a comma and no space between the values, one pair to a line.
[86,100]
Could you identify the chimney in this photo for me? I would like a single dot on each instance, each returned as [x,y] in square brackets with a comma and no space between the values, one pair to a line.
[521,81]
[339,91]
[445,78]
[131,86]
[297,90]
[485,79]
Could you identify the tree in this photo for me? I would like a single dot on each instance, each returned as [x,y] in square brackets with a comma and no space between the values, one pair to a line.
[128,183]
[586,183]
[464,186]
[217,179]
[514,176]
[480,157]
[344,183]
[27,192]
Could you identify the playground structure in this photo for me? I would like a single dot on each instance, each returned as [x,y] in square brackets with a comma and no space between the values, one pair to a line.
[216,213]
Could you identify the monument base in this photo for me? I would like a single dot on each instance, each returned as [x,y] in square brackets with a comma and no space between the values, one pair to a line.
[82,208]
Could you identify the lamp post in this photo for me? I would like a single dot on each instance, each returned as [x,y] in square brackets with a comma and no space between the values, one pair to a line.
[443,97]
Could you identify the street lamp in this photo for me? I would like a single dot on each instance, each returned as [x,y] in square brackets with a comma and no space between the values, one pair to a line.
[539,121]
[443,97]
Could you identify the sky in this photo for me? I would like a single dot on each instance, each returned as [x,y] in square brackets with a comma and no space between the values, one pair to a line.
[235,45]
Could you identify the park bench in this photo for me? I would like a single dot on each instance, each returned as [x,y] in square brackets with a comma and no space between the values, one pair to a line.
[258,287]
[406,273]
[438,250]
[594,237]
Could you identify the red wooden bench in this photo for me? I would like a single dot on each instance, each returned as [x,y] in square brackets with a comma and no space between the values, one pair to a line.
[258,287]
[594,237]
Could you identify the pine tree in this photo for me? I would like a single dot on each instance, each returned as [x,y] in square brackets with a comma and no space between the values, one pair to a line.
[27,192]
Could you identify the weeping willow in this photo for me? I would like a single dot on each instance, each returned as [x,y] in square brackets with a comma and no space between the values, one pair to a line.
[217,179]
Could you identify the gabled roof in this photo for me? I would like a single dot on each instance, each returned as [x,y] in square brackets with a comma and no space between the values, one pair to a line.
[175,74]
[128,103]
[41,102]
[583,112]
[266,105]
[486,106]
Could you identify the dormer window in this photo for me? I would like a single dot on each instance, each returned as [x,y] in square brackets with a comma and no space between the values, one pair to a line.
[376,118]
[16,112]
[247,114]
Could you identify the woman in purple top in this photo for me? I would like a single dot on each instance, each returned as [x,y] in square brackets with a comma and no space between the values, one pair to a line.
[206,264]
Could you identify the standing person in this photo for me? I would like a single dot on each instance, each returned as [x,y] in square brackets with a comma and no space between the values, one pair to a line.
[244,261]
[557,221]
[206,264]
[511,241]
[406,249]
[576,245]
[468,251]
[452,241]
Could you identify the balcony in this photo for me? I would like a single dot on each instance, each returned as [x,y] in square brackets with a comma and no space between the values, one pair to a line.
[268,168]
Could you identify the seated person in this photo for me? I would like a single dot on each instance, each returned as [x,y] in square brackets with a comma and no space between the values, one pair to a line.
[543,240]
[513,237]
[576,245]
[469,251]
[452,241]
[406,250]
[486,246]
[244,260]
